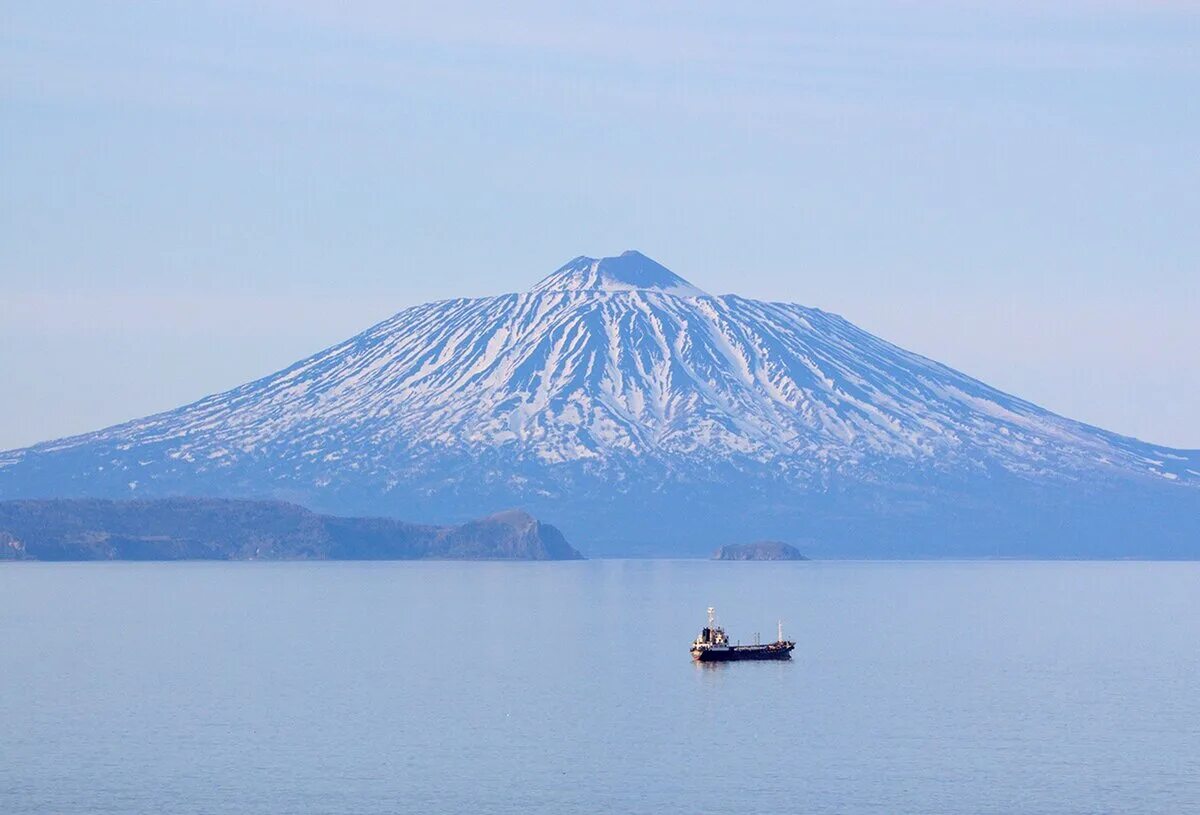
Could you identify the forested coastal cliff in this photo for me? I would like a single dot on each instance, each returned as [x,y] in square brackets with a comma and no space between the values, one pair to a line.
[217,529]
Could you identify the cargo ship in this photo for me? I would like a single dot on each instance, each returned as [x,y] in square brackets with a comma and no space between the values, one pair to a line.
[713,645]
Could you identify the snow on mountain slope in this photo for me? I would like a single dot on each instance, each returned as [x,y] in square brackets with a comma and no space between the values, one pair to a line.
[612,375]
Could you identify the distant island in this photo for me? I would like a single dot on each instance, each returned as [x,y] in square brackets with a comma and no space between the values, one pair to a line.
[219,529]
[761,550]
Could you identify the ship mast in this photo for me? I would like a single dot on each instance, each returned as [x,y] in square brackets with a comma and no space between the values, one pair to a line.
[712,617]
[780,631]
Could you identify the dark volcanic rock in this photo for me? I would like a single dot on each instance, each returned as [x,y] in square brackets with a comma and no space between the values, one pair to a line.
[216,529]
[762,550]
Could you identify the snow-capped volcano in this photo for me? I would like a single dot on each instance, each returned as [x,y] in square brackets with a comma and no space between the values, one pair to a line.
[624,404]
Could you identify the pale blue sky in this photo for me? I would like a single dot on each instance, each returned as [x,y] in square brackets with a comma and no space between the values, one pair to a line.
[195,194]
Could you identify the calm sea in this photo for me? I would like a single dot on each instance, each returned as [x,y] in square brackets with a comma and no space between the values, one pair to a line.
[944,687]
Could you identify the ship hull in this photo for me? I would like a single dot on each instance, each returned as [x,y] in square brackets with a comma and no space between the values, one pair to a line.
[739,653]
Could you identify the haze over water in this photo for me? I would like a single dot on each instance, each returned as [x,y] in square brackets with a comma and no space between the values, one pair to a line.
[991,687]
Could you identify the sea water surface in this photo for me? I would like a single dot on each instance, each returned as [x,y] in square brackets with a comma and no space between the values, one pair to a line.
[917,687]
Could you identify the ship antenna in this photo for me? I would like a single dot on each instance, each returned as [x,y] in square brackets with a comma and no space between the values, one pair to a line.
[712,617]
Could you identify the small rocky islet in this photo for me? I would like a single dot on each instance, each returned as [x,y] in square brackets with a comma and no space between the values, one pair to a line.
[759,550]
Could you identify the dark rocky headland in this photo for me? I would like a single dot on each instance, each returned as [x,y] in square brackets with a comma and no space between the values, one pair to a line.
[217,529]
[761,550]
